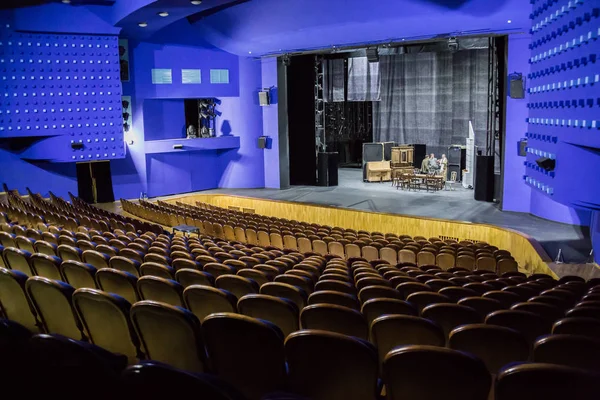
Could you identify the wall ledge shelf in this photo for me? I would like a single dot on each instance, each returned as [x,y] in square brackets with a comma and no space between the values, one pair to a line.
[200,144]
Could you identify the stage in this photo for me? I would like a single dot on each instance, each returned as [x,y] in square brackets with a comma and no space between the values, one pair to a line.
[458,205]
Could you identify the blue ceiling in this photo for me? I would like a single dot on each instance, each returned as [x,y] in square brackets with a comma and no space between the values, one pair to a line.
[261,27]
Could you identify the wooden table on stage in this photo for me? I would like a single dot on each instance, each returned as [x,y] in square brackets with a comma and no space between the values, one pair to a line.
[419,181]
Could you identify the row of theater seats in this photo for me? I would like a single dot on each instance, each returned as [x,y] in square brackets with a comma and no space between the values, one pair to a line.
[343,364]
[348,243]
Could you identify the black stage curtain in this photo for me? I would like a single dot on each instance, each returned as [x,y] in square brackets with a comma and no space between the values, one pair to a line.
[431,97]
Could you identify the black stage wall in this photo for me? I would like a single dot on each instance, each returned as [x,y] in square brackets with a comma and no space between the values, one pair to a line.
[301,120]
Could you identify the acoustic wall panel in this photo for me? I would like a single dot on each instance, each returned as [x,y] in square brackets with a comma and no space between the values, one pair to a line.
[564,108]
[58,90]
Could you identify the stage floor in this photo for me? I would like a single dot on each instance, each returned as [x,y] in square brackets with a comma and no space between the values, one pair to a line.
[458,205]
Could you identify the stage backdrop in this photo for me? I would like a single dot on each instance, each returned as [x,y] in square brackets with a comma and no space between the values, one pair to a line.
[430,97]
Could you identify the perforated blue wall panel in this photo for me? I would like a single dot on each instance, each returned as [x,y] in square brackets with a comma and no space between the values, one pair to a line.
[564,87]
[61,89]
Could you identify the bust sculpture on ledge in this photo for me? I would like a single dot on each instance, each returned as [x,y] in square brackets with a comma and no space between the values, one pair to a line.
[191,132]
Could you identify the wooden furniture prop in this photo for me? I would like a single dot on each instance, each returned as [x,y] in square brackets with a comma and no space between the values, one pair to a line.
[379,171]
[419,181]
[402,158]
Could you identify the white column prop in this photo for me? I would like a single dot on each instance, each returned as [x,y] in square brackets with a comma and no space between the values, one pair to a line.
[469,177]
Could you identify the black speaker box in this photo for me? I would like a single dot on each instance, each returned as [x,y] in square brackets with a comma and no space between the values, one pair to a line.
[419,154]
[387,150]
[517,86]
[327,164]
[372,54]
[457,160]
[546,163]
[484,178]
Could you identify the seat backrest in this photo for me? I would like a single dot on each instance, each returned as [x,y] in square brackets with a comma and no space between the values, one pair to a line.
[237,285]
[105,318]
[44,247]
[206,300]
[14,303]
[258,276]
[218,269]
[159,289]
[482,305]
[449,316]
[188,277]
[25,243]
[18,260]
[52,302]
[125,264]
[46,266]
[577,326]
[537,381]
[68,253]
[286,291]
[78,274]
[95,258]
[496,346]
[424,299]
[571,350]
[334,318]
[390,331]
[155,269]
[528,324]
[333,297]
[281,312]
[169,334]
[152,379]
[375,308]
[326,365]
[408,372]
[246,352]
[118,282]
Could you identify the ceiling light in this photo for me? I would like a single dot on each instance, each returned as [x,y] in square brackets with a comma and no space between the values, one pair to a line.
[163,14]
[143,24]
[509,21]
[66,1]
[196,2]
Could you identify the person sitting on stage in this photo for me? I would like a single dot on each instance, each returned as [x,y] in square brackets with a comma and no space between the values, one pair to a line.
[444,167]
[432,164]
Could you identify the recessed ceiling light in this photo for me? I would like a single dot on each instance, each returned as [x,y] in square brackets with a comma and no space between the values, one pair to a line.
[196,2]
[66,1]
[143,24]
[509,21]
[163,14]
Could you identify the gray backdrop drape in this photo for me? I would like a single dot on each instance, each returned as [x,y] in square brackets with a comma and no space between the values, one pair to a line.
[429,98]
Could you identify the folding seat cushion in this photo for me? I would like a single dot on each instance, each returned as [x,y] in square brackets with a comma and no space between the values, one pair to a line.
[169,334]
[246,352]
[118,282]
[408,372]
[206,300]
[105,318]
[539,381]
[78,274]
[570,350]
[155,269]
[281,312]
[188,277]
[496,346]
[159,289]
[14,303]
[46,266]
[52,302]
[334,318]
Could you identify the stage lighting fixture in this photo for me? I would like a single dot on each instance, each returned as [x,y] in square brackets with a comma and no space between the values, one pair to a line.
[204,103]
[163,14]
[125,104]
[125,116]
[143,24]
[126,127]
[196,2]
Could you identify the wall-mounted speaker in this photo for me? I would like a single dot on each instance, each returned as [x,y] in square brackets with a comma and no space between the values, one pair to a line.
[76,146]
[516,88]
[522,147]
[546,163]
[372,54]
[262,142]
[264,98]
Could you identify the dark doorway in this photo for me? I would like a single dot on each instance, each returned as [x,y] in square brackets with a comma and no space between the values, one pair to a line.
[94,182]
